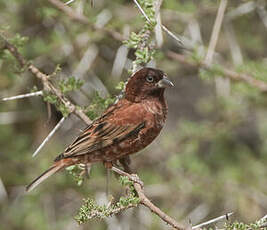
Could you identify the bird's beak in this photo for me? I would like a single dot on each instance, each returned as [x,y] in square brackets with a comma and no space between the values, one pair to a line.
[165,83]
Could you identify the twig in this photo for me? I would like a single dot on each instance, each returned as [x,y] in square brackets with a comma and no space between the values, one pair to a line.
[215,31]
[49,136]
[83,20]
[226,216]
[172,35]
[146,202]
[45,80]
[38,93]
[261,85]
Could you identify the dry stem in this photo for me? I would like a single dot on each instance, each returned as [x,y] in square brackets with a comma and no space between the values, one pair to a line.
[261,85]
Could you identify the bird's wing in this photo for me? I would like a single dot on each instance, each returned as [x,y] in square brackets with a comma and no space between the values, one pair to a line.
[116,125]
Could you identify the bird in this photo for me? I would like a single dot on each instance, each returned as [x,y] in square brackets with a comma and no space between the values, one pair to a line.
[126,127]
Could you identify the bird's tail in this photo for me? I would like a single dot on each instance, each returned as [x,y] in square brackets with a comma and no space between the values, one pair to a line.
[49,172]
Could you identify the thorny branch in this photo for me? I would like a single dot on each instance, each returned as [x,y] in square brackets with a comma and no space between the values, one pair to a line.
[146,202]
[48,86]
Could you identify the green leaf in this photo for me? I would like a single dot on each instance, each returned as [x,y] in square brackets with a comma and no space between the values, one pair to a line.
[70,84]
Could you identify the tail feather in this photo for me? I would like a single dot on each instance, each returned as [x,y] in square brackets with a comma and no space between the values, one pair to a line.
[55,168]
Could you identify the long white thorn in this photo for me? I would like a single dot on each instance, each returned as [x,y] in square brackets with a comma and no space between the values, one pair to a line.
[49,136]
[162,26]
[141,9]
[171,34]
[38,93]
[69,2]
[213,220]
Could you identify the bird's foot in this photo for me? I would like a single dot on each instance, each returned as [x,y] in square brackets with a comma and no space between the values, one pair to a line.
[133,177]
[85,170]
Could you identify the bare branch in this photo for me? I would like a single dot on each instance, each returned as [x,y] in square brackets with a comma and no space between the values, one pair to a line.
[83,20]
[38,93]
[146,202]
[226,216]
[261,85]
[49,136]
[215,31]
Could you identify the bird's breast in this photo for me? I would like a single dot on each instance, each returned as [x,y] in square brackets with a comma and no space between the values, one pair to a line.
[153,115]
[156,113]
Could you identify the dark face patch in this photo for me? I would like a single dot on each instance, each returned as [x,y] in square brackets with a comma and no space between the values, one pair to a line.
[143,84]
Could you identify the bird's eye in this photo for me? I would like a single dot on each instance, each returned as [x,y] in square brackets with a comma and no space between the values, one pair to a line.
[149,79]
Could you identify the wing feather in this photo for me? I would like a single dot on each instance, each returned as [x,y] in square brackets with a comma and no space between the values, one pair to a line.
[104,131]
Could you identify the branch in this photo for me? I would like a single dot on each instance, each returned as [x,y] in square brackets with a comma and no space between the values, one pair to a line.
[261,85]
[215,31]
[45,80]
[146,202]
[83,20]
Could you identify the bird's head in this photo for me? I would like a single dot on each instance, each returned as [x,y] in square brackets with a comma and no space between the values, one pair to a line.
[146,83]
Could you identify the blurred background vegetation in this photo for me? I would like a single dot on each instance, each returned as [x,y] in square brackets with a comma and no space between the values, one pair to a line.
[210,158]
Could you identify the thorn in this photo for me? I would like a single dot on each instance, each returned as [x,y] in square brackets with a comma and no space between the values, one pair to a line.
[162,26]
[49,136]
[69,2]
[38,93]
[226,216]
